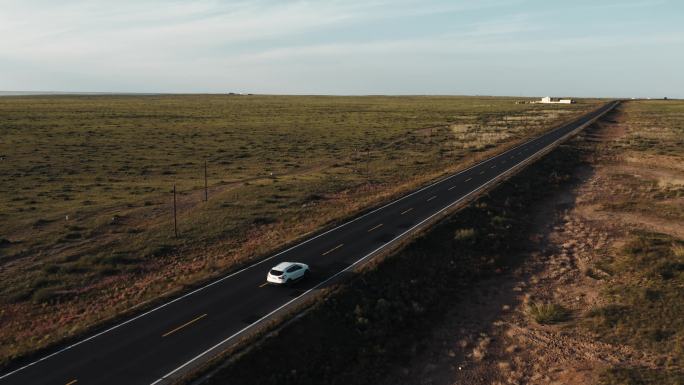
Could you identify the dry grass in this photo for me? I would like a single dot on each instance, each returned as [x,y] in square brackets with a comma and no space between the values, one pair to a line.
[640,192]
[547,313]
[279,167]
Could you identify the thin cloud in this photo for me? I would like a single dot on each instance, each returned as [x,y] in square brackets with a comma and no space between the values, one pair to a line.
[294,46]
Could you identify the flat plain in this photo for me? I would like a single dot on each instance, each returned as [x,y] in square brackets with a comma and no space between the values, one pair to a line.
[86,214]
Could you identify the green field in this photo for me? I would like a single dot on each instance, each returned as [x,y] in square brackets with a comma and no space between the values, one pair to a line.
[86,224]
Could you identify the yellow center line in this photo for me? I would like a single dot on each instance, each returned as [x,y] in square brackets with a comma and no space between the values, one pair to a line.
[469,179]
[263,284]
[380,225]
[72,382]
[404,212]
[333,249]
[431,198]
[184,325]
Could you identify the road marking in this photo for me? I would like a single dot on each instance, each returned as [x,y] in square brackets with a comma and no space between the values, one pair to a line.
[333,249]
[503,161]
[482,172]
[184,325]
[452,187]
[72,382]
[519,152]
[469,179]
[378,226]
[512,156]
[263,284]
[494,166]
[404,212]
[431,198]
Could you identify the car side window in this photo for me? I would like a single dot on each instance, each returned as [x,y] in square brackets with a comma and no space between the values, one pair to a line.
[294,268]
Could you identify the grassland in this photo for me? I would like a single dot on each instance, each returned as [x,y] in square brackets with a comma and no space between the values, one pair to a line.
[642,276]
[86,225]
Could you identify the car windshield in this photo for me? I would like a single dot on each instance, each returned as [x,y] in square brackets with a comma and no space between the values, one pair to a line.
[276,272]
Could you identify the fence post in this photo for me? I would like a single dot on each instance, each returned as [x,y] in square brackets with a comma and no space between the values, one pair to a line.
[175,221]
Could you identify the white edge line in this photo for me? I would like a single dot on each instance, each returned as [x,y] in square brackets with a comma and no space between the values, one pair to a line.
[284,251]
[528,159]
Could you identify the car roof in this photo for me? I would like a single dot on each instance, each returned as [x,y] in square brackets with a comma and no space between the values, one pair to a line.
[283,265]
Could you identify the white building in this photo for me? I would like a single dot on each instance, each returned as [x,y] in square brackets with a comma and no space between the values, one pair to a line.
[550,100]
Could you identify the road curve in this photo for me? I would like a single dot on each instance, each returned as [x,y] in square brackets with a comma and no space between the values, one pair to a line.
[163,343]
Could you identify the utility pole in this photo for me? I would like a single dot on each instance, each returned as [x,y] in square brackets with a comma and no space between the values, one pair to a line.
[175,221]
[206,192]
[368,164]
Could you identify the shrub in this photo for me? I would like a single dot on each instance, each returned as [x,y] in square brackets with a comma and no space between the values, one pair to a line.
[313,197]
[609,315]
[591,273]
[667,270]
[262,221]
[639,376]
[116,259]
[464,234]
[547,313]
[19,295]
[678,250]
[41,222]
[44,295]
[157,250]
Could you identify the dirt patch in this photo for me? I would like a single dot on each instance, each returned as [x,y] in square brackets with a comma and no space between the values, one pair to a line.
[634,220]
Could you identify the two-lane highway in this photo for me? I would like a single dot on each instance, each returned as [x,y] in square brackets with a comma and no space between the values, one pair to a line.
[164,342]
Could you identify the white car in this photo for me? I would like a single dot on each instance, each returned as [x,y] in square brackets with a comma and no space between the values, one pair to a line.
[285,272]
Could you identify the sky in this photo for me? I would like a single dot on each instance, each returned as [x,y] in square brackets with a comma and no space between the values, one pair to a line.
[607,48]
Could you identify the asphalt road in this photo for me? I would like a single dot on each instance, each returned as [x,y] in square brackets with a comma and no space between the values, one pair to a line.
[166,341]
